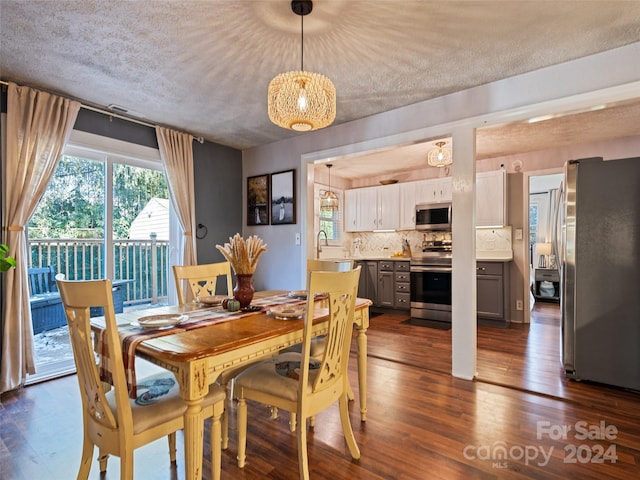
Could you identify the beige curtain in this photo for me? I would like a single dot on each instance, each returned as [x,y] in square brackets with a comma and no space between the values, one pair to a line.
[38,126]
[176,151]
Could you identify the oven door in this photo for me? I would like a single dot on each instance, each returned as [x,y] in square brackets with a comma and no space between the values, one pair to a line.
[431,292]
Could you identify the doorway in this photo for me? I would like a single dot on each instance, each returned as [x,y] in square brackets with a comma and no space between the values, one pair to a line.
[544,223]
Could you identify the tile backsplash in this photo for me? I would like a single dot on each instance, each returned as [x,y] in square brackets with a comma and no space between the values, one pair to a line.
[383,244]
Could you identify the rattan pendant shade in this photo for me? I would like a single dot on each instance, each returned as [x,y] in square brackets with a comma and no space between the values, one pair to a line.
[329,199]
[301,100]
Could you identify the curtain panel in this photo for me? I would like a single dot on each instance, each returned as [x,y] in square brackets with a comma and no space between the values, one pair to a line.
[38,127]
[176,152]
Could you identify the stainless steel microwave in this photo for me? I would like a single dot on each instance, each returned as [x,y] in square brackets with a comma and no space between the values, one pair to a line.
[433,216]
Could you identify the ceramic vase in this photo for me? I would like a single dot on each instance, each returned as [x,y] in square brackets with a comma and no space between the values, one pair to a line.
[243,291]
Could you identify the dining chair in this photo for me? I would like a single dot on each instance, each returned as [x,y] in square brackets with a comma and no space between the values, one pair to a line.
[112,421]
[318,343]
[300,384]
[202,279]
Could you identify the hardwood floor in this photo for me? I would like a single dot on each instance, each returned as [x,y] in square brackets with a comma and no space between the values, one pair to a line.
[421,422]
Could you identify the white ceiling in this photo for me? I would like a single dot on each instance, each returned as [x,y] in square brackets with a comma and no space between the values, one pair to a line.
[203,66]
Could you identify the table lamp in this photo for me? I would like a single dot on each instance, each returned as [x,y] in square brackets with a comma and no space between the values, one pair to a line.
[543,249]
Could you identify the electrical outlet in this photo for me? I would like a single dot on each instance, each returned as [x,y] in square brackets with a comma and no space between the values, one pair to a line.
[297,238]
[519,305]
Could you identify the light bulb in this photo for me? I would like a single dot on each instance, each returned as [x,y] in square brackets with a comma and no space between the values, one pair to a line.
[302,100]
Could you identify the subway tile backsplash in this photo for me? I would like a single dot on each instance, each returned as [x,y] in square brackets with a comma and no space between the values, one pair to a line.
[383,244]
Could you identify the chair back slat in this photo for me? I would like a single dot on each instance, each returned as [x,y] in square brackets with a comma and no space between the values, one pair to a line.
[202,280]
[41,280]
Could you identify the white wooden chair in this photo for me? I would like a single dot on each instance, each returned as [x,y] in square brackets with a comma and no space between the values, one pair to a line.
[318,343]
[288,381]
[112,421]
[202,279]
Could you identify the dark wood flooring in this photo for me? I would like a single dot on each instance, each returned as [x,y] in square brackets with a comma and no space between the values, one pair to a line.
[422,423]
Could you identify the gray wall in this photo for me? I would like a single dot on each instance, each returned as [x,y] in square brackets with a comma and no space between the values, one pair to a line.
[218,187]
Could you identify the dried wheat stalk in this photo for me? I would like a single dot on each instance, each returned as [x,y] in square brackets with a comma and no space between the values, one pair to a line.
[243,254]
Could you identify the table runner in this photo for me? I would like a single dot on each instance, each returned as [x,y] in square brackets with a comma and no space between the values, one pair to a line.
[131,336]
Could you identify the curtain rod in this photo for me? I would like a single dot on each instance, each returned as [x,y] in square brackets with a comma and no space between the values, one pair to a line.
[107,112]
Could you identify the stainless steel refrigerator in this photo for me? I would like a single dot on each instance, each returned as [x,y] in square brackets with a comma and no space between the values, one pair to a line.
[600,268]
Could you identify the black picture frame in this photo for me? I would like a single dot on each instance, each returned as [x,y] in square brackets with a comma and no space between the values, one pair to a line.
[283,197]
[258,200]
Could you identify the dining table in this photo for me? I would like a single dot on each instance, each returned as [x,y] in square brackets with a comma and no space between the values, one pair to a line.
[211,340]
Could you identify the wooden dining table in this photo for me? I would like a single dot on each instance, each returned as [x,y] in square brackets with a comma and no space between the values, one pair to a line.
[197,356]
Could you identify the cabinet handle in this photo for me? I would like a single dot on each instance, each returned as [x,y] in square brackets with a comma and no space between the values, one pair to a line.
[481,269]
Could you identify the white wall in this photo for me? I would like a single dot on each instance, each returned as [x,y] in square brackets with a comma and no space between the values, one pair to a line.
[606,77]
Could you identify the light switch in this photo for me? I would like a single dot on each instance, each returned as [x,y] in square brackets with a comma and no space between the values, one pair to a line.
[297,238]
[518,234]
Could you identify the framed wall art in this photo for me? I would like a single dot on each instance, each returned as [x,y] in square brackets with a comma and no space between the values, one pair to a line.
[283,197]
[258,200]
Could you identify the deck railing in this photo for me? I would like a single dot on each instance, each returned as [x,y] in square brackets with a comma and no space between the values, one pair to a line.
[144,262]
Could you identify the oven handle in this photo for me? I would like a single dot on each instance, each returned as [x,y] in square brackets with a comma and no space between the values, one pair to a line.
[420,268]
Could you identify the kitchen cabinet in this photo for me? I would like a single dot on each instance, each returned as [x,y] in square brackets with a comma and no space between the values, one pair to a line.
[376,208]
[407,214]
[402,285]
[368,283]
[492,280]
[491,199]
[351,210]
[385,283]
[386,290]
[434,190]
[547,275]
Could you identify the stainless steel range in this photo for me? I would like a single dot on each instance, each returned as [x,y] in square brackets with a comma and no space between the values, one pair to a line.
[431,282]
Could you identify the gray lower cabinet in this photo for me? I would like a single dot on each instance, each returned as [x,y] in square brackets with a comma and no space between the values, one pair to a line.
[401,282]
[492,279]
[368,285]
[386,291]
[385,283]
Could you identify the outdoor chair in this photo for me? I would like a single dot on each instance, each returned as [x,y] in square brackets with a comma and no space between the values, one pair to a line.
[112,421]
[300,384]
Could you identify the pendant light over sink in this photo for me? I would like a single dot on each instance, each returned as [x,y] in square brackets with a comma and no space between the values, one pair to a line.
[300,100]
[329,199]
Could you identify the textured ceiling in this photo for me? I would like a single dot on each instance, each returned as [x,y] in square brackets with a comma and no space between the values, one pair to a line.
[203,66]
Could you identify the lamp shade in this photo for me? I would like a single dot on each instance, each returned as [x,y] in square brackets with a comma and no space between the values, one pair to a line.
[301,101]
[543,248]
[441,156]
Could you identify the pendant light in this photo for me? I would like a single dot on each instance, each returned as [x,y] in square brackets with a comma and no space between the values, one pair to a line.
[300,100]
[441,156]
[329,199]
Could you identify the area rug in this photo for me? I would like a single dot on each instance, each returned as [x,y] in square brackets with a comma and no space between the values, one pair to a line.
[419,322]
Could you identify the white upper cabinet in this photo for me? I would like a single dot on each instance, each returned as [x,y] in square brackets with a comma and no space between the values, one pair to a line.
[491,199]
[372,208]
[351,210]
[388,207]
[407,220]
[367,209]
[434,190]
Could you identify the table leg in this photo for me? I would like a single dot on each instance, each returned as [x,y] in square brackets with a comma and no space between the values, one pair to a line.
[193,440]
[361,342]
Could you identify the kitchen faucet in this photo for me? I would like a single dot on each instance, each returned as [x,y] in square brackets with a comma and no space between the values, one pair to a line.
[326,242]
